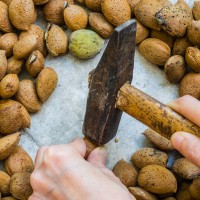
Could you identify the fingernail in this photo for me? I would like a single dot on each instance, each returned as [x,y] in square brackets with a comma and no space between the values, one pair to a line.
[177,139]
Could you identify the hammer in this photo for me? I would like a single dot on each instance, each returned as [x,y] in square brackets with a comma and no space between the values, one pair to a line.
[110,93]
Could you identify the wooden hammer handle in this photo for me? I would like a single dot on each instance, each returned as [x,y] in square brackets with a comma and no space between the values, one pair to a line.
[152,113]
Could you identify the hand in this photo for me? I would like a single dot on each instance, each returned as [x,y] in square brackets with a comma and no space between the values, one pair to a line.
[61,173]
[187,144]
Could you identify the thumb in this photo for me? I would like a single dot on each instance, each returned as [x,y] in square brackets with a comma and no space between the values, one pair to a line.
[188,145]
[98,157]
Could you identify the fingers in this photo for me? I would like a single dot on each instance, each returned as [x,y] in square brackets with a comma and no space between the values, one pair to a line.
[79,146]
[98,157]
[39,157]
[187,106]
[188,145]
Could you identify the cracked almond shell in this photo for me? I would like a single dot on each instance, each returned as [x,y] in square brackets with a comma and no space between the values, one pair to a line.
[8,144]
[19,161]
[3,64]
[56,40]
[94,5]
[27,96]
[9,86]
[14,65]
[116,11]
[155,51]
[7,42]
[22,13]
[53,10]
[193,32]
[196,10]
[46,83]
[25,46]
[145,12]
[10,117]
[35,63]
[100,24]
[5,23]
[75,17]
[175,19]
[4,183]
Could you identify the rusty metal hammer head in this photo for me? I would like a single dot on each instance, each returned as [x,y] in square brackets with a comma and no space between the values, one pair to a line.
[114,69]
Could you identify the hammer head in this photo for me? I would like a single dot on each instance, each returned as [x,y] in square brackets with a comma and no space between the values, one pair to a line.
[113,71]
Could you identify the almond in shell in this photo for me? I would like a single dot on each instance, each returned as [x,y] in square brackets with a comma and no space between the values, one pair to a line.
[22,13]
[142,33]
[8,144]
[40,2]
[193,32]
[155,51]
[3,64]
[53,10]
[24,46]
[7,2]
[35,63]
[4,183]
[5,23]
[15,66]
[7,42]
[46,83]
[94,5]
[56,40]
[27,96]
[116,11]
[196,10]
[100,24]
[10,117]
[9,86]
[133,4]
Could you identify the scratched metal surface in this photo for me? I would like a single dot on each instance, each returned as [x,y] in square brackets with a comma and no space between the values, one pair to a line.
[61,117]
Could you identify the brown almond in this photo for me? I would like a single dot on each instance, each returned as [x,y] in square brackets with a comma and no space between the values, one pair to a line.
[7,2]
[194,188]
[142,33]
[183,192]
[75,17]
[155,51]
[4,183]
[22,13]
[24,46]
[196,10]
[133,4]
[100,24]
[15,66]
[35,63]
[3,64]
[46,83]
[94,5]
[27,96]
[193,32]
[116,11]
[5,23]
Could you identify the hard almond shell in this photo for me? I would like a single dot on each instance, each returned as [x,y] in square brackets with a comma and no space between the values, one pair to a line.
[8,144]
[35,63]
[145,12]
[100,24]
[157,179]
[26,118]
[75,17]
[183,192]
[175,68]
[194,188]
[36,30]
[7,2]
[142,33]
[116,11]
[9,86]
[175,19]
[164,36]
[126,173]
[186,169]
[193,32]
[147,156]
[133,4]
[4,183]
[158,140]
[196,10]
[22,13]
[192,57]
[7,42]
[46,83]
[20,186]
[19,161]
[40,2]
[24,46]
[53,10]
[10,117]
[94,5]
[155,51]
[190,85]
[141,194]
[180,46]
[56,40]
[3,64]
[8,198]
[14,66]
[5,23]
[27,96]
